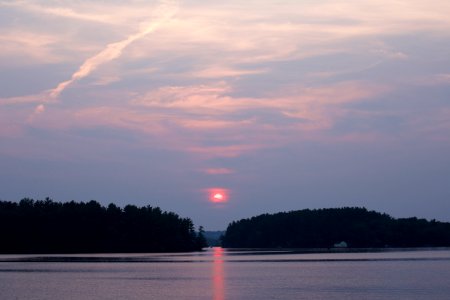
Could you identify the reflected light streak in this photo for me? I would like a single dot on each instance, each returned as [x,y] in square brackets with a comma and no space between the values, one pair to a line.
[218,274]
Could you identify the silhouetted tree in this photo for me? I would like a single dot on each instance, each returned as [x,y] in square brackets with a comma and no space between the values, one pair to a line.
[200,239]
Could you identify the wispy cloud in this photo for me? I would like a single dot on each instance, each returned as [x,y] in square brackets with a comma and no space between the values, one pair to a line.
[217,98]
[223,72]
[43,97]
[218,171]
[58,11]
[162,13]
[29,47]
[208,152]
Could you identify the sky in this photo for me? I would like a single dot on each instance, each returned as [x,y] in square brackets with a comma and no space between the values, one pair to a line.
[222,110]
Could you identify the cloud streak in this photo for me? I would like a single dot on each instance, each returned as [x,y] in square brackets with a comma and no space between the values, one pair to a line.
[162,14]
[218,171]
[58,11]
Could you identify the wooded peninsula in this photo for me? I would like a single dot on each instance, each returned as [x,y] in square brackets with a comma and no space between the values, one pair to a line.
[335,227]
[46,226]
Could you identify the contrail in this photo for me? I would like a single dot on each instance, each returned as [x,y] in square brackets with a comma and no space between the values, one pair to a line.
[165,11]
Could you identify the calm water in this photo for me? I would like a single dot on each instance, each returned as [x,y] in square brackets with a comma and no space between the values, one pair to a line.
[219,274]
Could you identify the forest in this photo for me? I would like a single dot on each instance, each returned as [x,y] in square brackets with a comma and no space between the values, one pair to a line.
[323,228]
[46,226]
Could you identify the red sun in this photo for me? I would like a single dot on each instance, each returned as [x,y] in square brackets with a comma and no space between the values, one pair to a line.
[218,195]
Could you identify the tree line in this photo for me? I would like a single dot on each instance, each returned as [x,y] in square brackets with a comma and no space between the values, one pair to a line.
[46,226]
[322,228]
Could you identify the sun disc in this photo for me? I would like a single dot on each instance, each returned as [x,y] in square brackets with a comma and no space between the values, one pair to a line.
[218,195]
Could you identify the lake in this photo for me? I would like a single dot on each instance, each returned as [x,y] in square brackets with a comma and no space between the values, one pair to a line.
[221,274]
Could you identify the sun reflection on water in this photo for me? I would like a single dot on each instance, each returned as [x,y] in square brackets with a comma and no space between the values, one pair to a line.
[218,274]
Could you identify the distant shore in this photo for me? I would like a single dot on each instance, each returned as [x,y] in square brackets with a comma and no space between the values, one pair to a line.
[335,250]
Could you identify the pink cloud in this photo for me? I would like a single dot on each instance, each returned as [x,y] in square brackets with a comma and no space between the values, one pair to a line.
[208,152]
[22,47]
[211,124]
[120,118]
[39,109]
[191,118]
[43,97]
[218,171]
[224,71]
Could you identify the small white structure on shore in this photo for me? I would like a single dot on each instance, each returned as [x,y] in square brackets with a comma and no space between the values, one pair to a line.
[340,245]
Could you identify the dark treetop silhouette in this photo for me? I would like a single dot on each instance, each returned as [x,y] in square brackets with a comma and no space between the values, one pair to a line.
[322,228]
[76,227]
